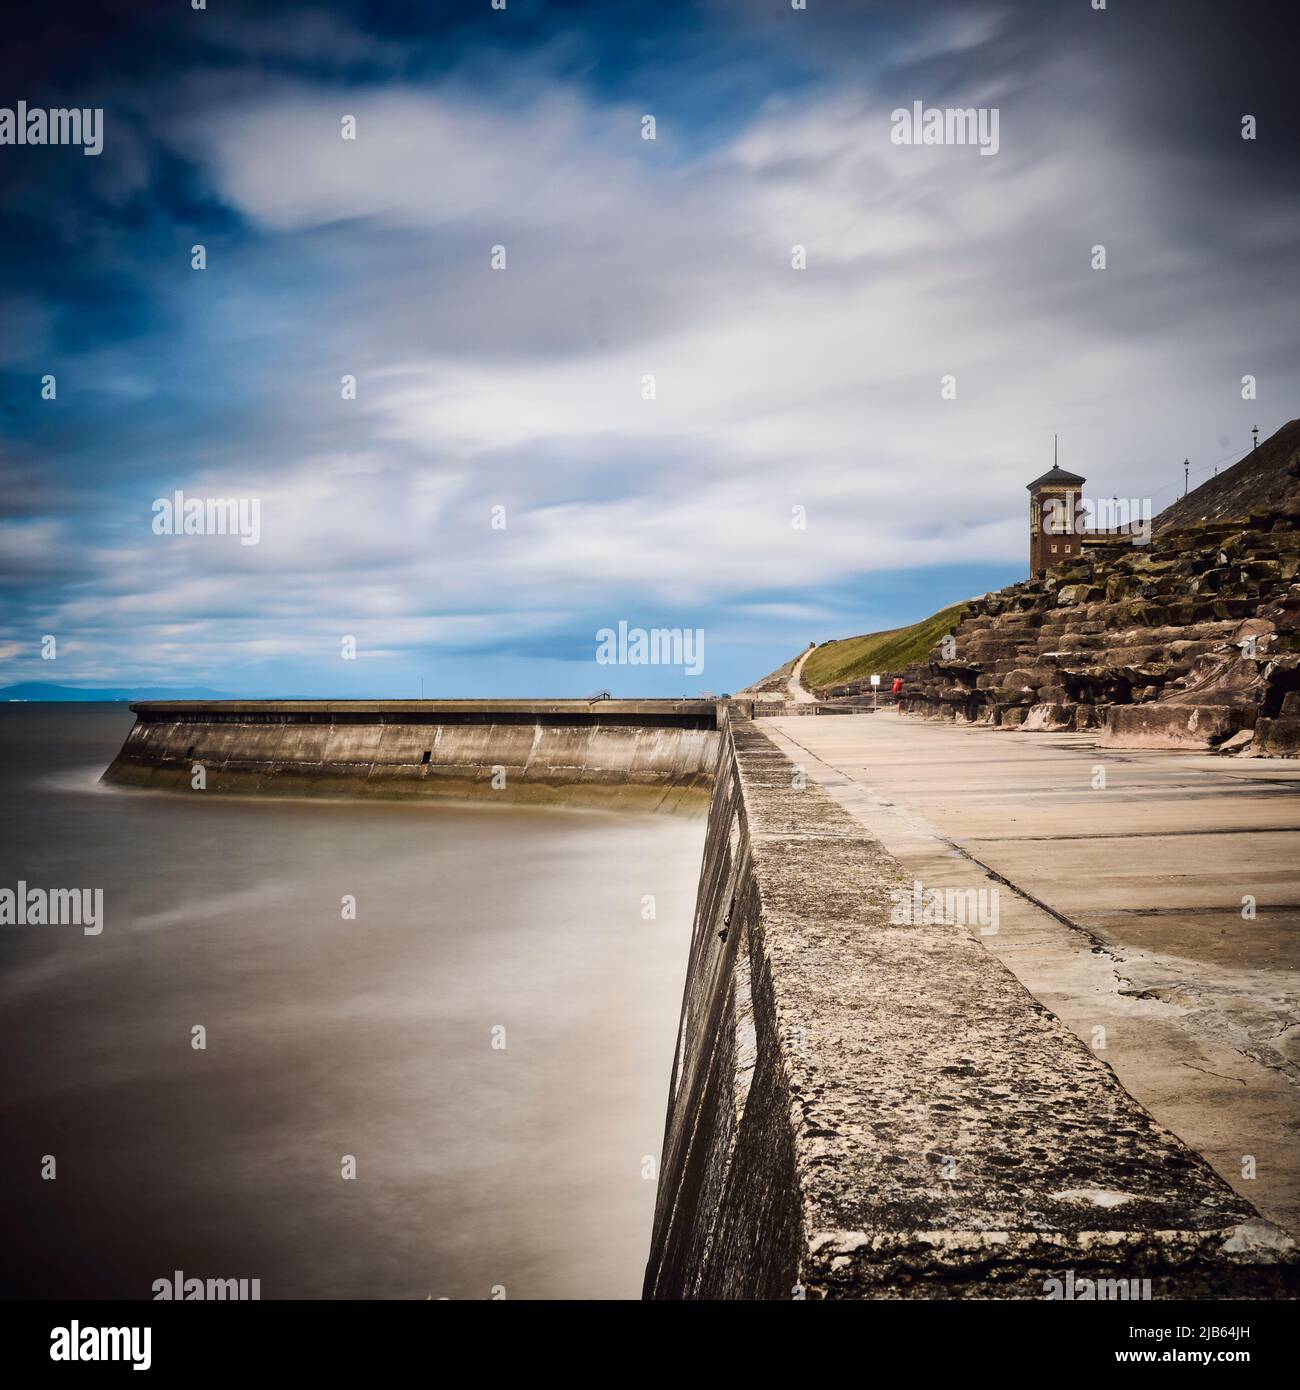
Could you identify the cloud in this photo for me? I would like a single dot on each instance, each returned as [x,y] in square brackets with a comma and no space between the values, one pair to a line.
[776,389]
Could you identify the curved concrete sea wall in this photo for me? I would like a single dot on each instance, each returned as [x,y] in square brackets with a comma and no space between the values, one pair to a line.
[641,754]
[861,1108]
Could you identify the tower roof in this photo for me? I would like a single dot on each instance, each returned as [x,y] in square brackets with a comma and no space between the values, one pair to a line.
[1058,476]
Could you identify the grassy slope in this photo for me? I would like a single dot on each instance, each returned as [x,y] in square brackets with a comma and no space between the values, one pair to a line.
[854,658]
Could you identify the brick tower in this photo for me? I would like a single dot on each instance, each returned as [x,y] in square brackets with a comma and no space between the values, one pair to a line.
[1055,520]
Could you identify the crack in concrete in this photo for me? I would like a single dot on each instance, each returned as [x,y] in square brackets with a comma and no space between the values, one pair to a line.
[1146,834]
[1222,1031]
[1219,1074]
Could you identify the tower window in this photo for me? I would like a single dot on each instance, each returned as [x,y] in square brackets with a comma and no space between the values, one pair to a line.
[428,753]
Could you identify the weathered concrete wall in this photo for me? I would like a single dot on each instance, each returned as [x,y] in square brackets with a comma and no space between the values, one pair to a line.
[864,1109]
[785,709]
[643,754]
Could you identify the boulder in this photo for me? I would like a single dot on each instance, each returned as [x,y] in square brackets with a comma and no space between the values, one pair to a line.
[1048,716]
[1277,738]
[1165,725]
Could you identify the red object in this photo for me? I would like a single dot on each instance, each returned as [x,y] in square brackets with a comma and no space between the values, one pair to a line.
[898,685]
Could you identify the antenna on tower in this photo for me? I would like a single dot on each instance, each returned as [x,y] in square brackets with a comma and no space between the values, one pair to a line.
[1054,439]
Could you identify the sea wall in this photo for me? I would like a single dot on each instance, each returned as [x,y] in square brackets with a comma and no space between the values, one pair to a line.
[866,1108]
[640,754]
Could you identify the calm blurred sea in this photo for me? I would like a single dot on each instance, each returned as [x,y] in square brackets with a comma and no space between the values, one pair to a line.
[476,1167]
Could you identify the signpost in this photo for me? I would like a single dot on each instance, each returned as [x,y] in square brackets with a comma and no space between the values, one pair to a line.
[875,691]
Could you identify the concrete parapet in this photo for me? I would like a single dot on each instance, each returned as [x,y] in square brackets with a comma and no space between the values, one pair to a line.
[863,1109]
[644,754]
[786,709]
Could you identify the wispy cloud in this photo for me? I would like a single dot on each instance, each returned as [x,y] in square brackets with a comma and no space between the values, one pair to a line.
[501,485]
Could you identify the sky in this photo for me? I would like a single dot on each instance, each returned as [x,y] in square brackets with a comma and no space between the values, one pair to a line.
[500,486]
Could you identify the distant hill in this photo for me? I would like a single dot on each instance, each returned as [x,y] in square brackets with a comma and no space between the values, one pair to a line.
[855,658]
[1266,481]
[1261,482]
[37,691]
[1191,641]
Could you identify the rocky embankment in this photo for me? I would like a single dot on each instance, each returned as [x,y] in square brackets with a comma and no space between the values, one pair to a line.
[1190,640]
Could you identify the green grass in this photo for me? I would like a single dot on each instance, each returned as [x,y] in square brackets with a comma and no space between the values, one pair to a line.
[854,658]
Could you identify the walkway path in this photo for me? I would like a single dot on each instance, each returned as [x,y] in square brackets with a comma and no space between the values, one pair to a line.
[1120,906]
[795,684]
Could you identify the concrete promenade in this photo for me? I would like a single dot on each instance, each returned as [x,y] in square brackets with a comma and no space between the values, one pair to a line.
[1120,906]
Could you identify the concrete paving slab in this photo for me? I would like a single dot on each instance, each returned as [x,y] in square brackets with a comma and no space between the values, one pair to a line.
[1120,906]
